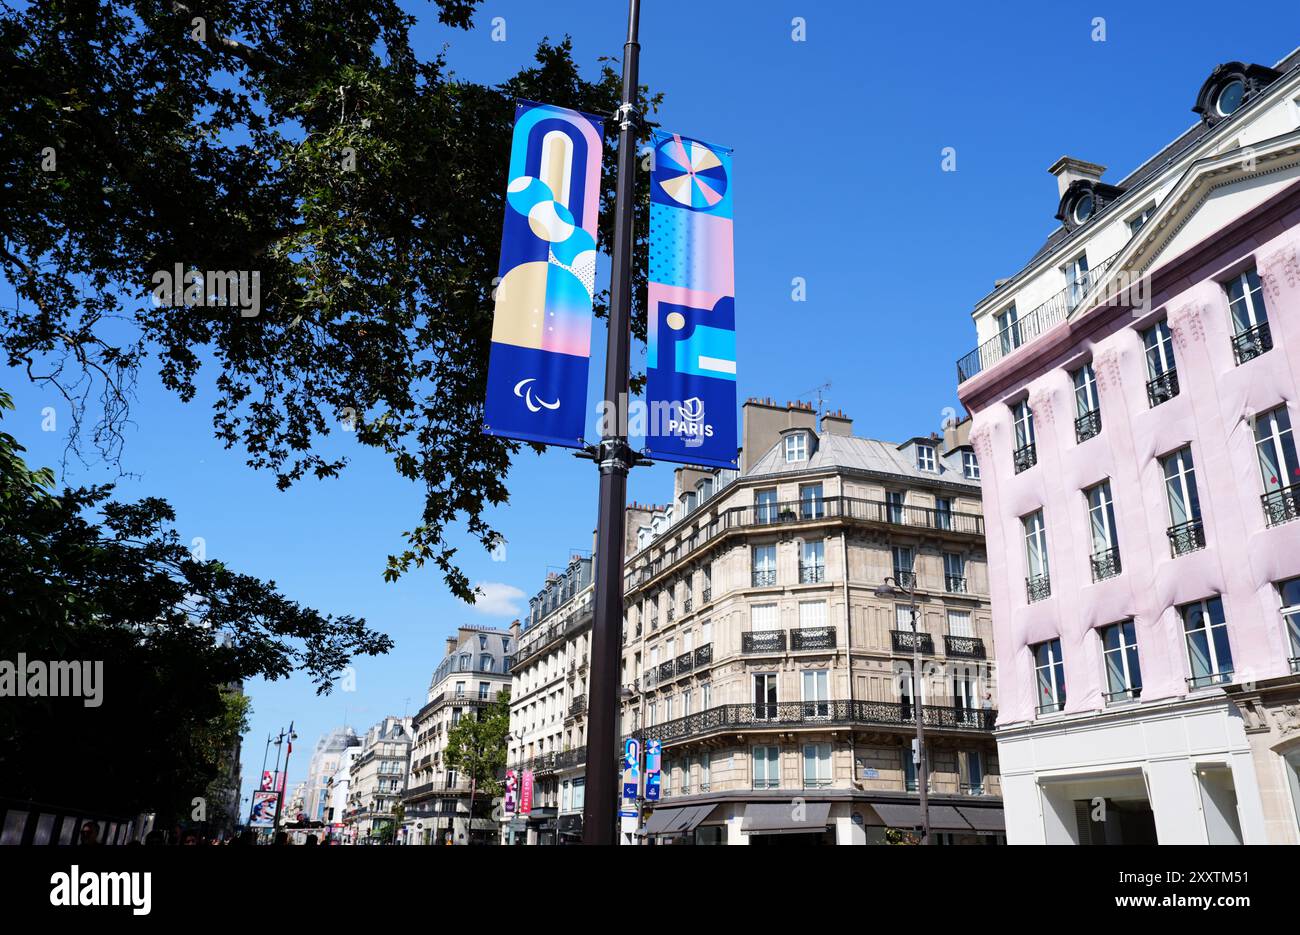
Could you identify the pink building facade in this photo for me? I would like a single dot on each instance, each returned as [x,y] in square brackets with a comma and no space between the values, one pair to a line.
[1141,490]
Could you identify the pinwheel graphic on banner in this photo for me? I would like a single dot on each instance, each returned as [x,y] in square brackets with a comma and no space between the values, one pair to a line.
[691,325]
[541,327]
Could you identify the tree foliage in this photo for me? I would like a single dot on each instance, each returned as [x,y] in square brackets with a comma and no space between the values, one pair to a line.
[308,142]
[476,746]
[173,633]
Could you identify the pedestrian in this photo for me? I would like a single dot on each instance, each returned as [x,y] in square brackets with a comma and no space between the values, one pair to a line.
[281,838]
[311,841]
[89,834]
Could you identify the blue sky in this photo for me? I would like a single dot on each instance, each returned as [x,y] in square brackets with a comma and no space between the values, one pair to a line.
[838,144]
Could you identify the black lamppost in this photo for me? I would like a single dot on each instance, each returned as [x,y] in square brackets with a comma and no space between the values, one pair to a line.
[290,736]
[888,590]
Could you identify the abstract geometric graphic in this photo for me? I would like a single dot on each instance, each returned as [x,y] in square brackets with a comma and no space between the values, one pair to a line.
[541,327]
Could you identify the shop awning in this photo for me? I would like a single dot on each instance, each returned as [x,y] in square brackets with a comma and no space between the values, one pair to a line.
[984,819]
[676,820]
[903,815]
[782,818]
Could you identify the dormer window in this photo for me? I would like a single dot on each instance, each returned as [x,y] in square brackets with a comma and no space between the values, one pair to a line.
[1083,208]
[1230,97]
[796,447]
[1229,86]
[925,460]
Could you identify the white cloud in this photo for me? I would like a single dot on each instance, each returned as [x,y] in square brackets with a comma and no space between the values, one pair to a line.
[497,599]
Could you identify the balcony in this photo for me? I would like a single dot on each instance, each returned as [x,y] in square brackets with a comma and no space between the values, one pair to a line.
[688,605]
[672,613]
[905,579]
[1186,537]
[812,574]
[764,578]
[1106,564]
[1051,707]
[1249,344]
[579,706]
[1025,457]
[1281,505]
[812,638]
[965,647]
[1029,326]
[703,655]
[1087,425]
[955,584]
[706,595]
[1163,388]
[1038,587]
[816,714]
[762,641]
[1123,695]
[1210,678]
[666,671]
[905,641]
[684,663]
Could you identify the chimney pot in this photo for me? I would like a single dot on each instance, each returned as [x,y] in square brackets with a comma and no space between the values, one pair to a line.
[1068,169]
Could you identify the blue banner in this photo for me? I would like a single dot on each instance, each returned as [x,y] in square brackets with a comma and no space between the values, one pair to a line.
[691,323]
[541,327]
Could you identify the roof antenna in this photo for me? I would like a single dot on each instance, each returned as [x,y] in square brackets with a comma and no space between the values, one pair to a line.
[821,401]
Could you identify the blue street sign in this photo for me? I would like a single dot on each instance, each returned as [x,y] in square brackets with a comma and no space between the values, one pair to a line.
[653,756]
[652,787]
[629,790]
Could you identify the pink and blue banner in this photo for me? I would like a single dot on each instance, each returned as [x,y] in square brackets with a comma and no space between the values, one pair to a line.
[691,325]
[541,329]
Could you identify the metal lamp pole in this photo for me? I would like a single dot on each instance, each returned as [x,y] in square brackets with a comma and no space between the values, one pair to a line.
[614,458]
[266,753]
[923,760]
[291,737]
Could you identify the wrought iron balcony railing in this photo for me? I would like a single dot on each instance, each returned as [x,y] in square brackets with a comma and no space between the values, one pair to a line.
[762,641]
[764,578]
[1052,706]
[811,574]
[955,584]
[904,641]
[672,613]
[788,714]
[968,647]
[1124,694]
[579,706]
[1281,505]
[1025,457]
[1038,587]
[1295,664]
[1087,425]
[904,579]
[812,638]
[1163,388]
[1249,344]
[666,671]
[1032,324]
[1106,564]
[1210,678]
[688,604]
[703,655]
[685,663]
[706,595]
[1186,537]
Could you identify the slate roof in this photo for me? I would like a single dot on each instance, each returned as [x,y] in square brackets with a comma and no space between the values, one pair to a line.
[865,454]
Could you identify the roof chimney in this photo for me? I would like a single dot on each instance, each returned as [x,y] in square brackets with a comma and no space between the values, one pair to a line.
[837,423]
[1067,169]
[451,645]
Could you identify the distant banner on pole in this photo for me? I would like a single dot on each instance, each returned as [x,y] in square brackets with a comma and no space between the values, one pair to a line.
[546,280]
[691,324]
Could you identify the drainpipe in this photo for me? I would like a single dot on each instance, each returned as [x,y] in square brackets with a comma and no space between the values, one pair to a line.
[848,655]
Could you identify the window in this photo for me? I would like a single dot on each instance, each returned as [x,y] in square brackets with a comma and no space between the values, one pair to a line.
[485,663]
[1162,372]
[688,503]
[1038,577]
[1186,533]
[1278,466]
[894,506]
[971,767]
[812,614]
[767,767]
[954,572]
[1087,414]
[816,765]
[1076,277]
[763,617]
[796,447]
[704,489]
[765,506]
[1120,654]
[970,466]
[1230,97]
[1049,672]
[810,501]
[1008,329]
[460,689]
[959,623]
[943,512]
[908,757]
[482,642]
[812,561]
[925,460]
[465,662]
[1101,521]
[687,697]
[764,565]
[965,688]
[1026,453]
[904,619]
[904,564]
[706,696]
[1290,592]
[1135,223]
[816,693]
[705,770]
[1250,330]
[765,703]
[1209,654]
[484,688]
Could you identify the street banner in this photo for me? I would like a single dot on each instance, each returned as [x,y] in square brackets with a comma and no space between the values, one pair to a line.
[631,772]
[264,805]
[512,789]
[691,305]
[268,780]
[546,279]
[526,794]
[653,769]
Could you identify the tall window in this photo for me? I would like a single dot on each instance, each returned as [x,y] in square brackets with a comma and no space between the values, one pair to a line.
[925,460]
[815,685]
[894,506]
[909,769]
[943,512]
[812,561]
[765,696]
[904,565]
[796,447]
[1101,522]
[1120,655]
[1026,454]
[904,618]
[1162,372]
[954,572]
[812,614]
[765,506]
[1037,576]
[767,767]
[1250,331]
[1209,654]
[1076,278]
[1290,592]
[764,565]
[1278,465]
[971,766]
[959,623]
[1135,223]
[970,466]
[1185,532]
[816,765]
[1087,413]
[1049,672]
[1008,329]
[705,771]
[810,501]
